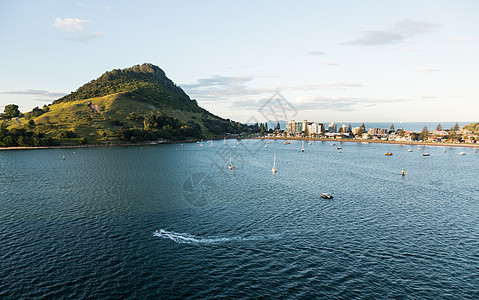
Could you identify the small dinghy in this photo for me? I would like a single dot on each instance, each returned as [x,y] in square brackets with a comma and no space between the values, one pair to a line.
[326,196]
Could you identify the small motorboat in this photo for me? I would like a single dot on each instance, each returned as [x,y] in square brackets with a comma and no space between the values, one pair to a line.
[388,153]
[426,154]
[410,150]
[286,143]
[326,196]
[462,153]
[160,232]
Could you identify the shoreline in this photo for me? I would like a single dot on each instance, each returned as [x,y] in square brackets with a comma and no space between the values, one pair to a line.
[257,138]
[94,145]
[371,141]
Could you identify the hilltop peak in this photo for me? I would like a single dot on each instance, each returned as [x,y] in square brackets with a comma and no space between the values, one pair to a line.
[146,83]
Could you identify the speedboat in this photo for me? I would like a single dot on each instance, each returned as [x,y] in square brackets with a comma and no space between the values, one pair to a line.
[425,154]
[388,153]
[410,150]
[160,232]
[326,196]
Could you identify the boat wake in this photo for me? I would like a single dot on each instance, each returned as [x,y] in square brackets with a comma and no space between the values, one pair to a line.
[186,238]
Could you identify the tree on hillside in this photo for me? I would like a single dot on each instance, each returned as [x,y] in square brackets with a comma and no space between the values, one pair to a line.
[11,111]
[424,133]
[439,127]
[360,131]
[455,128]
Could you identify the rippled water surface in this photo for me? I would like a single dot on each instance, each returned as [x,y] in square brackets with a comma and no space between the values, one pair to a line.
[86,226]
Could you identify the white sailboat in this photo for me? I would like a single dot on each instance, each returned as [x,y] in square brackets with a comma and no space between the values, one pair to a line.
[230,167]
[234,143]
[302,148]
[339,146]
[224,143]
[274,164]
[201,144]
[425,153]
[211,143]
[309,143]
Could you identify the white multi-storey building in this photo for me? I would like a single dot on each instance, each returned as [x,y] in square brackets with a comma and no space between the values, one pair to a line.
[314,128]
[332,127]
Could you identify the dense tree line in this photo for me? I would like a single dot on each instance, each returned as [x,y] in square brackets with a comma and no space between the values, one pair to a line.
[23,138]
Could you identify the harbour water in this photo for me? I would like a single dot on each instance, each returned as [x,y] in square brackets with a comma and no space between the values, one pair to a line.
[84,227]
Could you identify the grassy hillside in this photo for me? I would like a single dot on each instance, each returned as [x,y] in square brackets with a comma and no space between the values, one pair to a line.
[134,104]
[474,127]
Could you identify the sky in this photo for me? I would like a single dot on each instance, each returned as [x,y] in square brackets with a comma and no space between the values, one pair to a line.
[342,61]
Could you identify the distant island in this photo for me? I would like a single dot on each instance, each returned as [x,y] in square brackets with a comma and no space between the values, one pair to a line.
[131,105]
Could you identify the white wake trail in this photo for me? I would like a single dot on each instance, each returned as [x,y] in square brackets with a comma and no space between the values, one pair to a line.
[186,238]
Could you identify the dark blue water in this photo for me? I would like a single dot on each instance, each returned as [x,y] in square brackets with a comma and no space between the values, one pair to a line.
[84,227]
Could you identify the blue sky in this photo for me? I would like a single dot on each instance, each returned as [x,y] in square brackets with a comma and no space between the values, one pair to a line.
[348,61]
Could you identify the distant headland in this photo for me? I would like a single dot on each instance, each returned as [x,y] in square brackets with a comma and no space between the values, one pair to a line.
[132,105]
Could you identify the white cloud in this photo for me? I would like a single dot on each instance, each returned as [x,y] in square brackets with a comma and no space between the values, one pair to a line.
[429,70]
[316,53]
[85,38]
[400,32]
[330,64]
[39,93]
[69,24]
[224,88]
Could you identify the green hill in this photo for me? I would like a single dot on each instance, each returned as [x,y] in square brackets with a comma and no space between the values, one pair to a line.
[473,127]
[134,104]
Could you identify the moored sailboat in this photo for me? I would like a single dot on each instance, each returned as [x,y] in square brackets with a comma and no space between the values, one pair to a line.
[274,164]
[230,167]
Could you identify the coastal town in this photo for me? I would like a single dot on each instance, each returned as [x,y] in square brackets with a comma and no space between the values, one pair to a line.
[306,129]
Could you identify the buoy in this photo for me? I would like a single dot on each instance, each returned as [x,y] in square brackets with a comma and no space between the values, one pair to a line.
[403,172]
